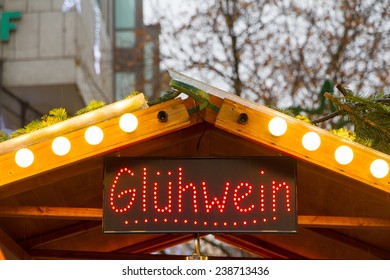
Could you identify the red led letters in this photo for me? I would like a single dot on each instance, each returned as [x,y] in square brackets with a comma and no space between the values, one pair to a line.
[200,195]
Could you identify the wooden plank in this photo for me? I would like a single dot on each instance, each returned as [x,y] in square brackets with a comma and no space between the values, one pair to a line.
[187,142]
[256,129]
[312,245]
[55,236]
[65,173]
[343,222]
[90,238]
[114,138]
[99,115]
[207,114]
[51,212]
[346,240]
[2,256]
[157,244]
[86,255]
[258,247]
[97,214]
[9,249]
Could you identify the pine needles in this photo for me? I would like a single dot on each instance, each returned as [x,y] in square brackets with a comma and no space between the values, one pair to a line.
[93,105]
[369,115]
[3,136]
[54,116]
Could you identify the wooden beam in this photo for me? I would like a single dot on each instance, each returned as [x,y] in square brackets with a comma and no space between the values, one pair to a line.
[83,255]
[114,139]
[290,143]
[61,234]
[11,250]
[2,256]
[343,222]
[97,214]
[157,244]
[312,245]
[348,241]
[258,247]
[102,114]
[51,212]
[86,255]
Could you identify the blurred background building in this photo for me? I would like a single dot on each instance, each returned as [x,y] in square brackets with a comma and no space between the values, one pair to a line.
[47,59]
[136,51]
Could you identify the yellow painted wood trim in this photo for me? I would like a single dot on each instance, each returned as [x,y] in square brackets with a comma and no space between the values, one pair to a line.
[114,139]
[102,114]
[256,129]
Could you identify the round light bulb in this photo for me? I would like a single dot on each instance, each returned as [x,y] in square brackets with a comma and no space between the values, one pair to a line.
[343,155]
[24,157]
[277,126]
[94,135]
[128,122]
[311,141]
[379,168]
[60,146]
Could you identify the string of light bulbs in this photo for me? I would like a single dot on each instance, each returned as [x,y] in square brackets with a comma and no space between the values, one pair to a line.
[277,127]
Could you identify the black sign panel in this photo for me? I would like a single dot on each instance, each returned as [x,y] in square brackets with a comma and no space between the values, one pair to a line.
[205,195]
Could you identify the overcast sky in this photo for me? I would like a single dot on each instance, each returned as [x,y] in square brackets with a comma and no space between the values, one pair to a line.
[172,7]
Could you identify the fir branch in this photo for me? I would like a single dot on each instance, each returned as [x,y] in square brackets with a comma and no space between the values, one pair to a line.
[170,94]
[30,127]
[327,117]
[132,94]
[352,112]
[93,105]
[371,118]
[383,100]
[55,115]
[3,136]
[344,91]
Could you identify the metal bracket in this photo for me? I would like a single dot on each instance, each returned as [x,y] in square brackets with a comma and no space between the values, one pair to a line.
[197,256]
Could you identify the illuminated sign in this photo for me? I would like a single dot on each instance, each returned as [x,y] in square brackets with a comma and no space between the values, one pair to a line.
[205,195]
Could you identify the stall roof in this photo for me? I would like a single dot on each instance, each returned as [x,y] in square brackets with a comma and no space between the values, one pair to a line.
[52,209]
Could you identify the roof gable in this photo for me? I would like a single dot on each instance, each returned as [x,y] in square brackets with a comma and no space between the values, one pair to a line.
[330,194]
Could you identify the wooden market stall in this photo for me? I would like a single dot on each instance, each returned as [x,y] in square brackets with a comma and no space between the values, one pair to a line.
[51,208]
